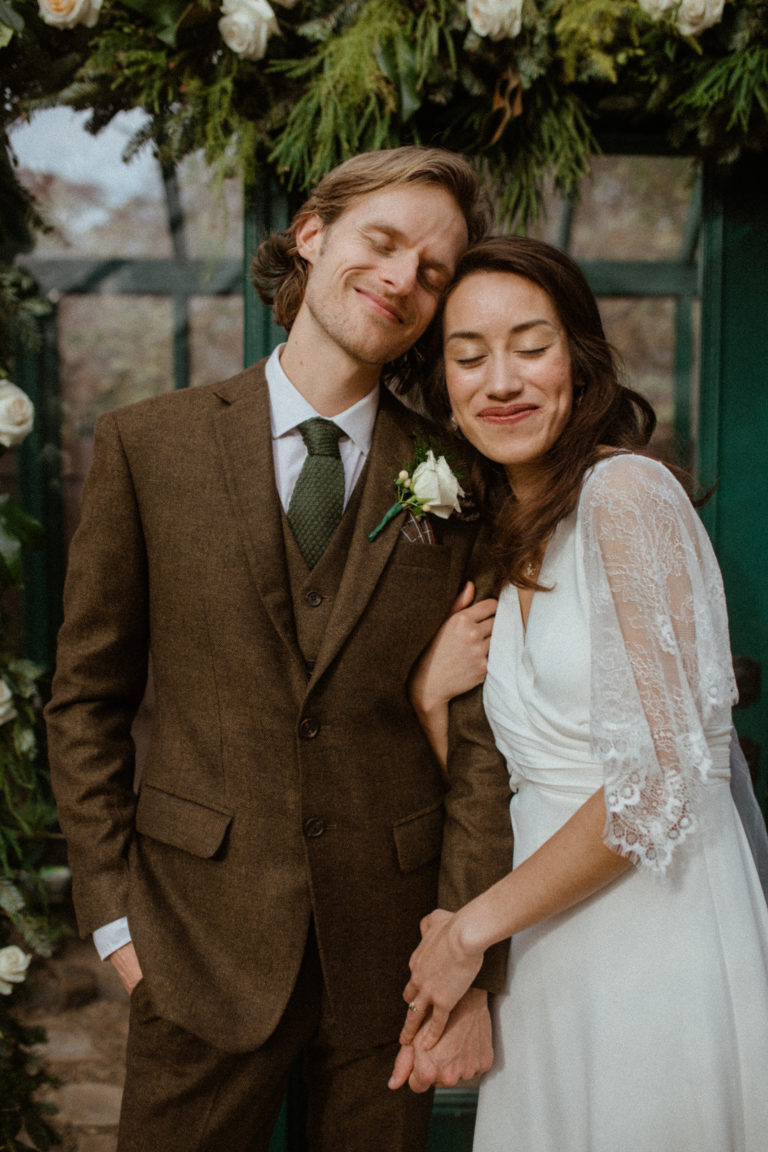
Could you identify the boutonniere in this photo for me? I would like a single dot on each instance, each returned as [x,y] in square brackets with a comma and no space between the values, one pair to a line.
[427,484]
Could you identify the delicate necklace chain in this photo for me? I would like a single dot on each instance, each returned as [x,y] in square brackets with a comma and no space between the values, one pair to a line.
[532,569]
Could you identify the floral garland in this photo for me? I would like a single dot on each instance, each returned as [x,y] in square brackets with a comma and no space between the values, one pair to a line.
[246,25]
[293,87]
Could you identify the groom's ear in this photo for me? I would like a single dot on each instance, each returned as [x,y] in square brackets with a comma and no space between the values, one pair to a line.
[309,237]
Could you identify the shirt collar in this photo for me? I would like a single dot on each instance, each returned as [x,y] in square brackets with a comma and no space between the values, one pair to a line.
[289,408]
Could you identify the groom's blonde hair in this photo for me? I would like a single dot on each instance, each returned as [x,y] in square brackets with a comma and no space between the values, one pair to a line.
[280,274]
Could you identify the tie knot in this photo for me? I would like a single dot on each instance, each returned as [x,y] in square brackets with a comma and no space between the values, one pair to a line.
[321,437]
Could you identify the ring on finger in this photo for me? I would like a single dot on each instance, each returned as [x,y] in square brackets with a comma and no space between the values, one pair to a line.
[412,1008]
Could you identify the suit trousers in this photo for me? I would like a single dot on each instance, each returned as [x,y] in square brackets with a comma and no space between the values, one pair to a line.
[183,1095]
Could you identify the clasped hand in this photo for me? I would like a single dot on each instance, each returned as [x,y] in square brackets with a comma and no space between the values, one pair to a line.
[457,658]
[442,969]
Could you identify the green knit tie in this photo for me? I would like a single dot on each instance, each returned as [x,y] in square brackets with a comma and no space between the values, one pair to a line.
[318,498]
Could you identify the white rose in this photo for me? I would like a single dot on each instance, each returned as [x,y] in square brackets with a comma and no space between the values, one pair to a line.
[7,709]
[246,26]
[437,487]
[495,18]
[68,13]
[693,16]
[17,414]
[13,968]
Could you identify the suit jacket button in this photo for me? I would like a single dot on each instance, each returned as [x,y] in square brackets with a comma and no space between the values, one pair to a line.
[313,827]
[313,598]
[309,728]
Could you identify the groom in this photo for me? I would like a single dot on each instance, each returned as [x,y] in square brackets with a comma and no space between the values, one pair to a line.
[259,889]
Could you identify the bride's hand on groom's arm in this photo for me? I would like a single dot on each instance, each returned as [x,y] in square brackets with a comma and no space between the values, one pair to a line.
[464,1050]
[454,662]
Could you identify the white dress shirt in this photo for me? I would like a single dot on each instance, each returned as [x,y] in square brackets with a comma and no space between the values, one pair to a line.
[288,408]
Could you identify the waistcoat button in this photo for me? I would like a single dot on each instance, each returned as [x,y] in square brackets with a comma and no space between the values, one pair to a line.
[313,598]
[313,827]
[309,728]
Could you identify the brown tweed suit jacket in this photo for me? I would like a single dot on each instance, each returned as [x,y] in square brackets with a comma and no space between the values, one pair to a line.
[217,862]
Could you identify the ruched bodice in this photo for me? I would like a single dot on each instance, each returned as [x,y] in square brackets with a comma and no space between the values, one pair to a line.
[538,688]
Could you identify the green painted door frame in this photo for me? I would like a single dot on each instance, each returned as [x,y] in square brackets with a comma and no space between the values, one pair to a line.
[266,210]
[36,371]
[733,419]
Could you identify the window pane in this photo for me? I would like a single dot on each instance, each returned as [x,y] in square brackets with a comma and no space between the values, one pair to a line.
[216,337]
[94,203]
[113,350]
[643,332]
[213,211]
[633,208]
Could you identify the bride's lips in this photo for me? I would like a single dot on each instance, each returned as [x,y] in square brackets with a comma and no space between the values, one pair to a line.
[382,305]
[506,413]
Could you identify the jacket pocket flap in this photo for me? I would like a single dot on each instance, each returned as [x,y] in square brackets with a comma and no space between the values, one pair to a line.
[419,838]
[182,823]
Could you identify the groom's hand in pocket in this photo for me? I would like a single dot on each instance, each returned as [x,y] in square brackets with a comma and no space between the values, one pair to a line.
[126,964]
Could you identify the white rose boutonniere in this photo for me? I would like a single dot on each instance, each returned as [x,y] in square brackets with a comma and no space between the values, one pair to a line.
[13,968]
[246,26]
[428,485]
[17,414]
[69,13]
[435,487]
[495,19]
[7,707]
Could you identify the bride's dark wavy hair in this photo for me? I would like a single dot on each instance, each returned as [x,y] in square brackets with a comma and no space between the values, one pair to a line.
[605,412]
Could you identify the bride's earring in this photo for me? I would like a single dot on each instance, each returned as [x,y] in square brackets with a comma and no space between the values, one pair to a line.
[453,424]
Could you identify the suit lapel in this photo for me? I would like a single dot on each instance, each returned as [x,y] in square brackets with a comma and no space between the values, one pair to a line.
[392,448]
[245,446]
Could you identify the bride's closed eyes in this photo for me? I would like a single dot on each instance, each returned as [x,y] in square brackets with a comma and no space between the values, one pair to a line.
[468,360]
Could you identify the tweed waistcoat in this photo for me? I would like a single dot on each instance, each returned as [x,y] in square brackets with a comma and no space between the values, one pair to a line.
[313,590]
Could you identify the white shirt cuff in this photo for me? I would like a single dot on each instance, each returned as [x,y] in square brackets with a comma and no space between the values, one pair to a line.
[111,937]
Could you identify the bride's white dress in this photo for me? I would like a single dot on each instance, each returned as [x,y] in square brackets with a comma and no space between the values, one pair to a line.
[637,1021]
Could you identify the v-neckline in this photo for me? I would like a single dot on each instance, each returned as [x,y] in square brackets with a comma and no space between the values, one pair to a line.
[525,619]
[525,616]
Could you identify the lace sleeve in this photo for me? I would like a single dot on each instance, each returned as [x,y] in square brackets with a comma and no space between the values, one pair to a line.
[661,664]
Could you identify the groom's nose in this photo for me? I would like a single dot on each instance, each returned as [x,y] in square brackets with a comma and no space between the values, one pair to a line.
[400,272]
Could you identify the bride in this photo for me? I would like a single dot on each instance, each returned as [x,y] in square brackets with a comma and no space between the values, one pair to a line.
[636,1013]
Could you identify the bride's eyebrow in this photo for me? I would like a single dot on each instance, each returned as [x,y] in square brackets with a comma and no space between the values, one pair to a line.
[515,330]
